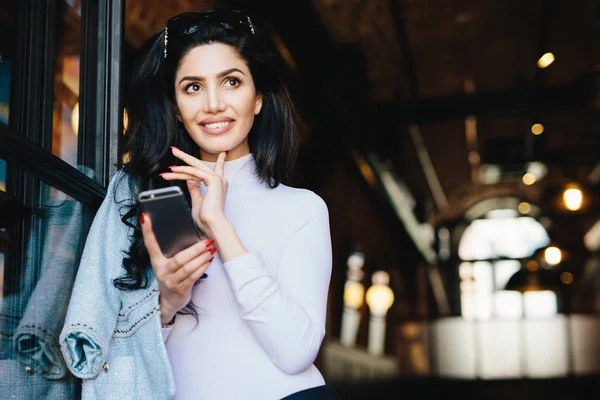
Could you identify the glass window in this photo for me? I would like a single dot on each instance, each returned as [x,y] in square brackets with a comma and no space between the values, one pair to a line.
[4,238]
[65,115]
[2,175]
[502,236]
[5,69]
[8,18]
[35,293]
[482,295]
[483,277]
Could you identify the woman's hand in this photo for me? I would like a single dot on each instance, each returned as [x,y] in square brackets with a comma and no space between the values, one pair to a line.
[176,275]
[209,209]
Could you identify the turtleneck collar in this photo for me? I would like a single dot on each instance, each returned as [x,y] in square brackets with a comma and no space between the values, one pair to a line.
[239,170]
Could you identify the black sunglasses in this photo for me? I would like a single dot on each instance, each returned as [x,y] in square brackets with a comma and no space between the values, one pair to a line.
[188,23]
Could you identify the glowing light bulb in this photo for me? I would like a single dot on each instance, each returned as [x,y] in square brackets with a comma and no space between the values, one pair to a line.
[529,178]
[537,129]
[545,60]
[573,198]
[380,298]
[553,255]
[524,207]
[354,294]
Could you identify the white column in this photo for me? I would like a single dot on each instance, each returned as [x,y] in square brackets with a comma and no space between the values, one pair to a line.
[376,342]
[350,324]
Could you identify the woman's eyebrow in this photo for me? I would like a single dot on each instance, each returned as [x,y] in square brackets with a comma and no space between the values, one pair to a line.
[219,75]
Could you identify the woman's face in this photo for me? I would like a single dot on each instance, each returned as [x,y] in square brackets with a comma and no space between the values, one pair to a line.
[216,100]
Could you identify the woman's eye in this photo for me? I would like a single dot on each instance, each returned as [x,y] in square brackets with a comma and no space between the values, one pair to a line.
[191,88]
[232,82]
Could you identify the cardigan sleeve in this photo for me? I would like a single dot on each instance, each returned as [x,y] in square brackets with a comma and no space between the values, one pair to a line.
[287,312]
[95,302]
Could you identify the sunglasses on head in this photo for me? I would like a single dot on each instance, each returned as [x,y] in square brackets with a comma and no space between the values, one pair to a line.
[188,23]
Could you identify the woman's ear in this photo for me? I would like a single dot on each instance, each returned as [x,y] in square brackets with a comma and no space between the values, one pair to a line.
[258,103]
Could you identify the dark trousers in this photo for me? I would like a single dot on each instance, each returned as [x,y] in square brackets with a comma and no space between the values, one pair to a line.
[324,392]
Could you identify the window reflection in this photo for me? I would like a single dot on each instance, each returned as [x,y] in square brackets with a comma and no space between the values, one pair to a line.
[7,50]
[65,121]
[5,73]
[512,237]
[3,226]
[502,234]
[2,175]
[35,295]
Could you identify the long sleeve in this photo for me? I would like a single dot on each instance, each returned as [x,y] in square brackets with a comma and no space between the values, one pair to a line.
[35,339]
[287,312]
[95,302]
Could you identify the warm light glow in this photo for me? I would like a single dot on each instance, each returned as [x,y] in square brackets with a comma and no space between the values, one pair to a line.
[529,179]
[365,169]
[379,299]
[354,294]
[545,60]
[537,169]
[566,278]
[537,129]
[75,118]
[553,255]
[524,207]
[573,198]
[125,121]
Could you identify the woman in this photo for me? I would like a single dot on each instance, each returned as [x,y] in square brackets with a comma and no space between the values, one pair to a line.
[243,311]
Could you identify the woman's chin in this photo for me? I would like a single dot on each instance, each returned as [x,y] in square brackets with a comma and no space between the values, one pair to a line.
[211,154]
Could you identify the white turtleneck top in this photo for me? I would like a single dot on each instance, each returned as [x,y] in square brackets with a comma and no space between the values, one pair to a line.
[262,315]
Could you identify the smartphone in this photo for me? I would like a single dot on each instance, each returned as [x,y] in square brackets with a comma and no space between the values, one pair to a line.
[172,222]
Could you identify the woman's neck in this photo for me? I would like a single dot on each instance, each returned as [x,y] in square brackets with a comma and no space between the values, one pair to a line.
[242,169]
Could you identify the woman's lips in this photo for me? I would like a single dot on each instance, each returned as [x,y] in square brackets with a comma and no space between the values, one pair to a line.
[217,128]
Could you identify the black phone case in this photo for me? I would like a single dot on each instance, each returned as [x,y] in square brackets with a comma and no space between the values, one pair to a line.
[172,222]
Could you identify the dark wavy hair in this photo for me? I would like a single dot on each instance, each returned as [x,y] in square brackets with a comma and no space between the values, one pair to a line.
[153,125]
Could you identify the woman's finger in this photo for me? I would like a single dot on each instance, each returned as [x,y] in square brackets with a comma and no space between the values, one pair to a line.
[152,246]
[185,256]
[190,160]
[220,164]
[192,266]
[194,276]
[194,189]
[182,176]
[193,171]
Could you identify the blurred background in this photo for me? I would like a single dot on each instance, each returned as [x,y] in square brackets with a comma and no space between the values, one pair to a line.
[455,142]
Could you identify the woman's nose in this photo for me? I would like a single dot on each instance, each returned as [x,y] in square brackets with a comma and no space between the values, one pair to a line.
[214,101]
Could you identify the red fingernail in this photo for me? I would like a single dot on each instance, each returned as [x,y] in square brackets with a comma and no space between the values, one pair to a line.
[209,242]
[212,258]
[212,251]
[227,152]
[142,218]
